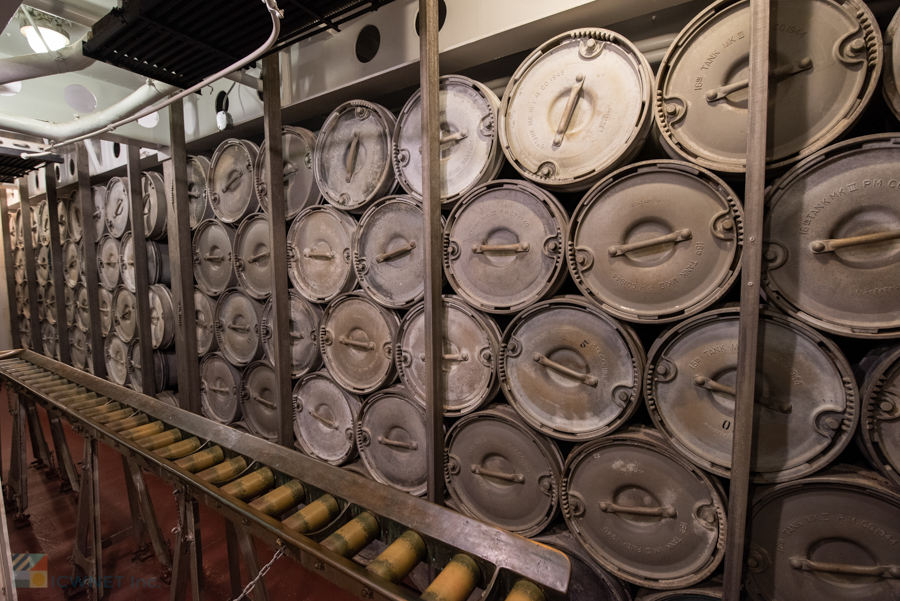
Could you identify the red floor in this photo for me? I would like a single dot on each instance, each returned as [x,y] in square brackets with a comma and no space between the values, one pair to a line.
[52,531]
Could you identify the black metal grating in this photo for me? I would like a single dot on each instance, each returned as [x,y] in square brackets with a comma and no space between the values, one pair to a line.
[12,165]
[180,42]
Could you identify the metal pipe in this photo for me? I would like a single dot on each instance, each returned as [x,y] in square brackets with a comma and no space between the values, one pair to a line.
[41,64]
[242,77]
[65,10]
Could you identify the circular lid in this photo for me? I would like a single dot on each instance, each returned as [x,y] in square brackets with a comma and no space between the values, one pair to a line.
[300,187]
[126,260]
[198,203]
[20,237]
[258,399]
[116,353]
[231,192]
[325,418]
[118,207]
[504,246]
[205,308]
[566,346]
[643,512]
[82,309]
[220,386]
[106,311]
[833,239]
[25,332]
[656,241]
[389,252]
[252,257]
[51,340]
[34,227]
[43,217]
[79,344]
[470,150]
[588,581]
[162,316]
[319,253]
[155,205]
[81,264]
[76,221]
[304,333]
[471,346]
[238,327]
[805,394]
[691,594]
[98,195]
[13,235]
[20,270]
[108,262]
[830,537]
[135,366]
[576,108]
[62,217]
[391,439]
[352,159]
[212,248]
[42,268]
[891,75]
[69,294]
[125,313]
[880,421]
[502,472]
[71,264]
[169,398]
[356,340]
[701,93]
[50,302]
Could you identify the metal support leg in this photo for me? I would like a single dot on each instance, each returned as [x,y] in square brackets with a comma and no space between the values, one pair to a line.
[188,558]
[234,559]
[239,538]
[143,516]
[38,443]
[63,455]
[87,564]
[17,480]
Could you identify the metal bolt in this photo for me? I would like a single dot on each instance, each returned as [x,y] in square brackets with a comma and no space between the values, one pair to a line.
[752,562]
[623,395]
[663,369]
[671,109]
[591,44]
[728,225]
[552,245]
[750,284]
[770,255]
[319,565]
[886,406]
[832,423]
[857,46]
[366,593]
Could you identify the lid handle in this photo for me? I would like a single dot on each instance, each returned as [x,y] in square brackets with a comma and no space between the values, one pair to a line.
[398,444]
[586,379]
[236,176]
[119,208]
[800,563]
[363,346]
[324,420]
[678,236]
[263,402]
[351,156]
[662,512]
[803,64]
[768,403]
[462,356]
[258,256]
[218,389]
[827,246]
[454,138]
[522,247]
[569,110]
[480,471]
[312,254]
[214,258]
[238,328]
[397,252]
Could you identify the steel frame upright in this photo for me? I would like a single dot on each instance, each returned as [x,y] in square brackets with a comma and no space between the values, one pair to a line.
[10,264]
[89,247]
[58,281]
[30,267]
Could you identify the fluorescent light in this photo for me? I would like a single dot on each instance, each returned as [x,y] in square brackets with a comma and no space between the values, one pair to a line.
[55,36]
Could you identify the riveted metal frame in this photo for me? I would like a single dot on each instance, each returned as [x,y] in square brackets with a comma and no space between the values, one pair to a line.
[9,263]
[30,268]
[59,284]
[89,244]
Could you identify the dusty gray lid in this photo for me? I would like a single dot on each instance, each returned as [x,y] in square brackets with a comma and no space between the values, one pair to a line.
[212,249]
[43,269]
[701,593]
[588,580]
[70,300]
[50,337]
[80,348]
[106,310]
[50,303]
[300,188]
[205,308]
[806,395]
[659,240]
[20,237]
[71,264]
[503,246]
[879,426]
[252,257]
[319,253]
[108,261]
[98,196]
[220,389]
[155,205]
[162,316]
[62,216]
[199,208]
[353,155]
[43,219]
[628,496]
[502,472]
[391,438]
[389,252]
[829,537]
[576,108]
[325,418]
[566,346]
[238,320]
[20,271]
[701,93]
[13,236]
[126,260]
[470,148]
[833,239]
[304,332]
[258,399]
[75,218]
[471,346]
[891,75]
[116,353]
[118,207]
[125,313]
[356,340]
[230,188]
[169,398]
[164,368]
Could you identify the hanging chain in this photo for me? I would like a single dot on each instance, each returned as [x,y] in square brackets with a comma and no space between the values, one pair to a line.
[259,576]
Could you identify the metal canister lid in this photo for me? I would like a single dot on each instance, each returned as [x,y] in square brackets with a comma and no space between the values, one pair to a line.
[155,205]
[588,580]
[806,395]
[502,472]
[199,208]
[50,337]
[162,316]
[13,231]
[470,149]
[252,257]
[830,537]
[259,400]
[126,260]
[125,313]
[356,339]
[24,332]
[118,207]
[98,196]
[353,155]
[50,302]
[389,252]
[471,344]
[62,216]
[20,269]
[833,239]
[80,346]
[169,398]
[205,308]
[164,367]
[826,48]
[108,261]
[238,320]
[213,248]
[43,270]
[627,497]
[71,264]
[298,146]
[320,264]
[70,300]
[305,319]
[566,347]
[76,219]
[698,593]
[576,108]
[43,219]
[325,418]
[230,188]
[391,439]
[879,423]
[106,310]
[20,236]
[116,353]
[504,245]
[891,75]
[659,240]
[220,389]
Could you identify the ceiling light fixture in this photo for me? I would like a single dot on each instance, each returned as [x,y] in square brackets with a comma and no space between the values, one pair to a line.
[42,30]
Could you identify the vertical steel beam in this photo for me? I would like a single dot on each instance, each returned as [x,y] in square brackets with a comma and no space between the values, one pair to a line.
[181,262]
[30,267]
[281,309]
[59,284]
[10,263]
[141,277]
[89,245]
[429,72]
[748,334]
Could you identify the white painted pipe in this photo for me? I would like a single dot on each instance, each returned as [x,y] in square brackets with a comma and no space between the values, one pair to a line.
[41,64]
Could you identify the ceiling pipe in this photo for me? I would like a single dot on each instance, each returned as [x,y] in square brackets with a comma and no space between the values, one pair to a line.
[41,64]
[61,9]
[242,77]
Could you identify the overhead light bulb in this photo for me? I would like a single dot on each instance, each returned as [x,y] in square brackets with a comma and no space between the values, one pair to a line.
[55,36]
